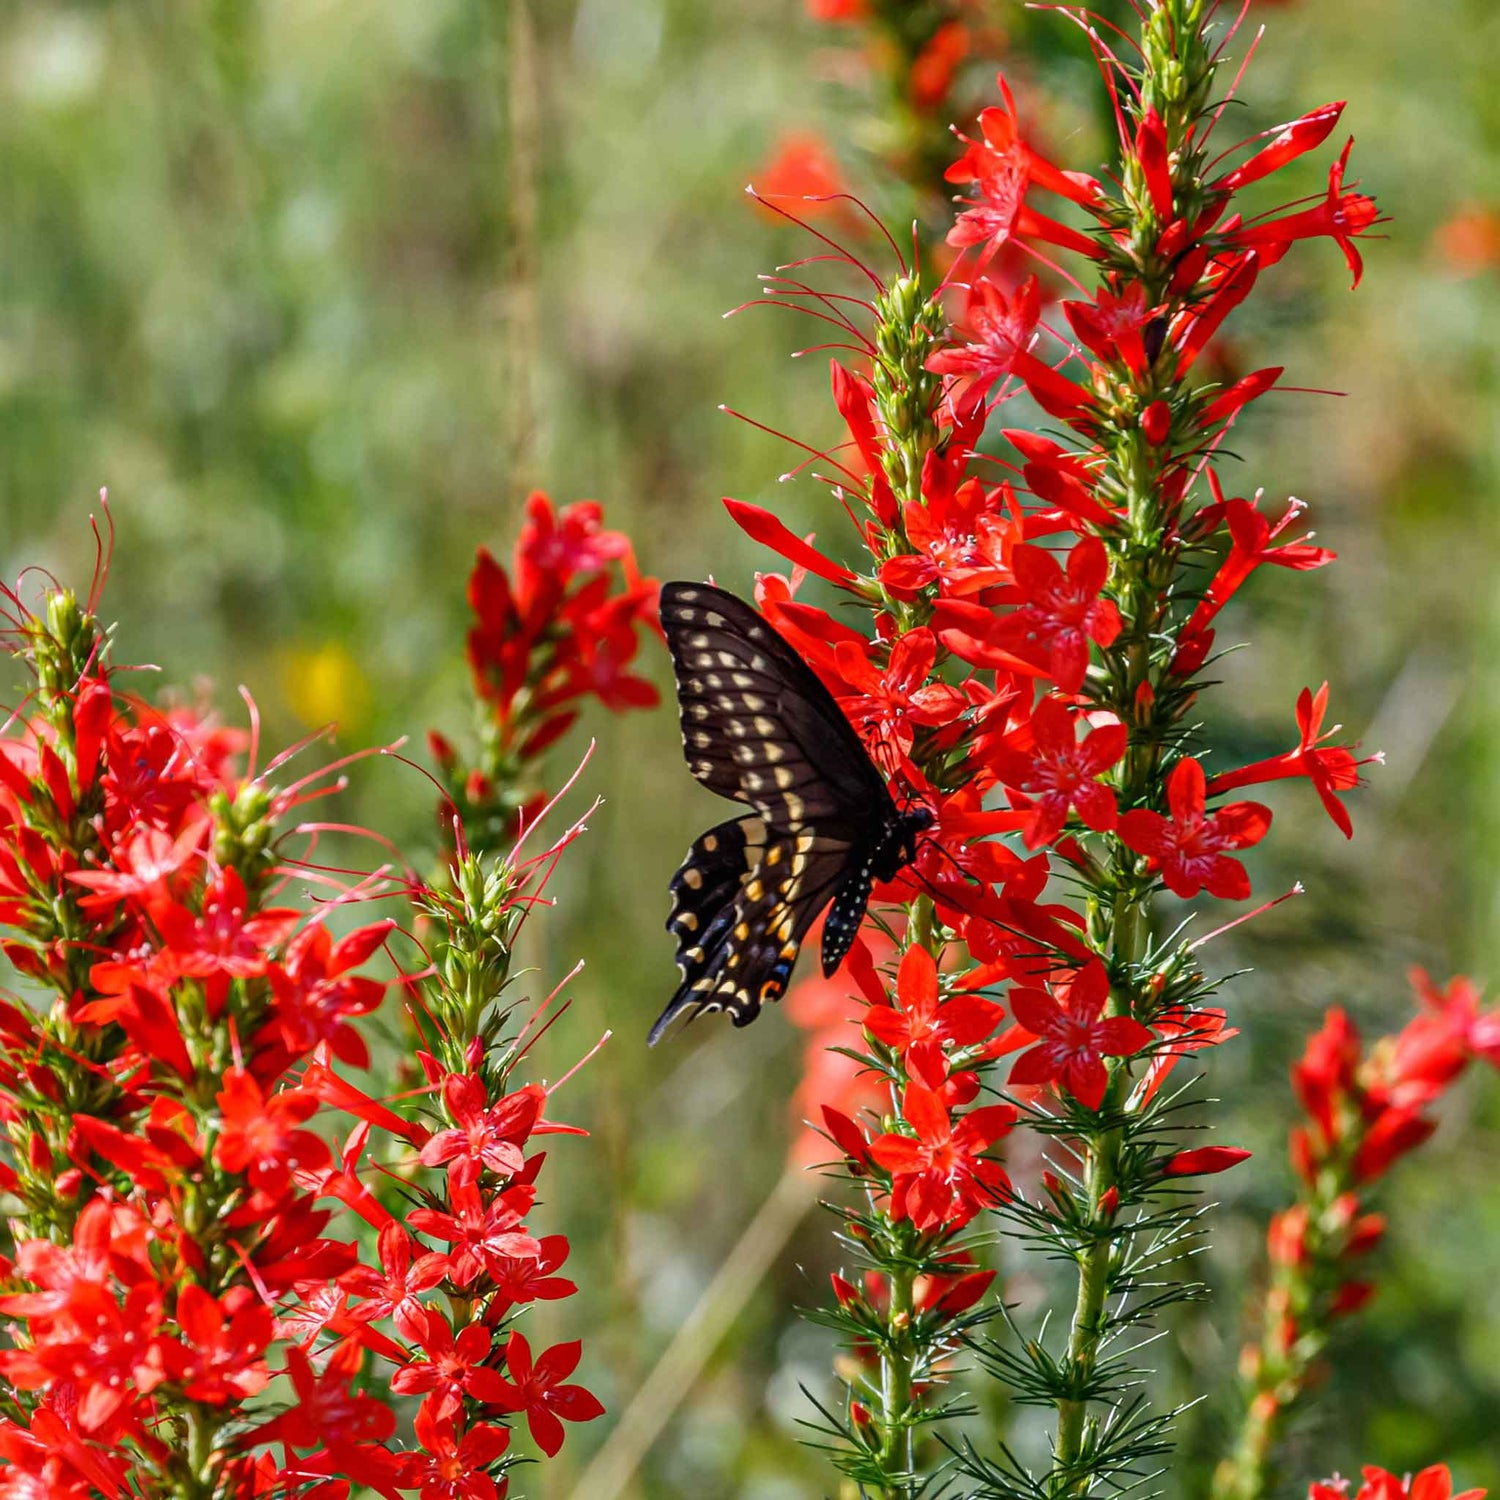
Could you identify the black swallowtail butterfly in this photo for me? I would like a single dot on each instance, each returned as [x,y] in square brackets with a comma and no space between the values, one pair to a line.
[759,728]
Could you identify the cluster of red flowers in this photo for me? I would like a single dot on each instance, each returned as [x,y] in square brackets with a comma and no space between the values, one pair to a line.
[172,1248]
[1365,1110]
[555,629]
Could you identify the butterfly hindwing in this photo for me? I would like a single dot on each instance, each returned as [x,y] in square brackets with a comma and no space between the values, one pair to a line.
[742,904]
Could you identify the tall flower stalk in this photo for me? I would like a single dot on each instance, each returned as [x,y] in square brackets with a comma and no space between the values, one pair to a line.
[1365,1109]
[1038,627]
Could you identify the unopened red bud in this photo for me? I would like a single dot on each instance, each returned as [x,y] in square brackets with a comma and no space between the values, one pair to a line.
[441,750]
[1173,239]
[1342,1210]
[1263,1408]
[1187,271]
[1145,700]
[1286,1334]
[860,1418]
[1287,1239]
[1109,1203]
[1204,1160]
[1365,1234]
[38,1154]
[1156,423]
[845,1291]
[43,1082]
[1299,1148]
[1051,1183]
[474,1053]
[1350,1298]
[67,1183]
[477,786]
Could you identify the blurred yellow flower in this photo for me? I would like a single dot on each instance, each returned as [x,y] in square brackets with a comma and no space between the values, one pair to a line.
[323,683]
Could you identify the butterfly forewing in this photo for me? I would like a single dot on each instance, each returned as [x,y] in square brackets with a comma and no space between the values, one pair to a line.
[757,724]
[759,728]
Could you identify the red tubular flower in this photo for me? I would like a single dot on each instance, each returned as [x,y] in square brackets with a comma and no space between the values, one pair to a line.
[479,1230]
[317,993]
[999,328]
[483,1137]
[1061,612]
[223,1356]
[889,705]
[765,528]
[925,1024]
[1342,216]
[454,1367]
[538,1390]
[394,1290]
[451,1463]
[1074,1035]
[1003,167]
[962,534]
[1188,848]
[1288,142]
[259,1137]
[1059,772]
[939,1176]
[1330,768]
[1251,535]
[1111,326]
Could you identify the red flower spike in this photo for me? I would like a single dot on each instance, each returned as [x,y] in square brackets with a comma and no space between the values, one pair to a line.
[537,1390]
[1075,1036]
[1189,847]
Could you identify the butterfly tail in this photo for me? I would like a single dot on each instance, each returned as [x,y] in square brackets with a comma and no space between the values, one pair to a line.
[683,1000]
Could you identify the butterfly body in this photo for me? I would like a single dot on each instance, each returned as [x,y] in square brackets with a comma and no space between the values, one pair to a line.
[759,728]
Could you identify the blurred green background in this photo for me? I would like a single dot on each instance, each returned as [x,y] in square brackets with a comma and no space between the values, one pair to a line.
[319,289]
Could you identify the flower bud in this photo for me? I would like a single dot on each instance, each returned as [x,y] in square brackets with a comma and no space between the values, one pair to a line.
[1156,423]
[846,1293]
